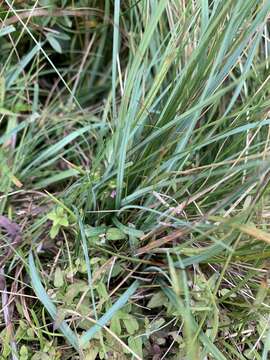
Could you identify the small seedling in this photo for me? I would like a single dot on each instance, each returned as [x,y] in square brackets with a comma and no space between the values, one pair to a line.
[59,218]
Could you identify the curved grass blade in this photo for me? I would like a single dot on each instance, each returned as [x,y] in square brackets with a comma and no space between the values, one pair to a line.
[115,53]
[87,261]
[4,138]
[63,175]
[128,91]
[266,348]
[203,338]
[49,305]
[60,145]
[22,64]
[7,30]
[123,299]
[127,229]
[40,47]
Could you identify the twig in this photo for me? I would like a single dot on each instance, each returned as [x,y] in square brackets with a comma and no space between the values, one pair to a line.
[5,308]
[55,13]
[166,239]
[13,231]
[109,331]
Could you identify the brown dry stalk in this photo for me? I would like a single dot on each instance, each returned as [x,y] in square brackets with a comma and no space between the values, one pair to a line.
[6,302]
[13,231]
[160,242]
[55,13]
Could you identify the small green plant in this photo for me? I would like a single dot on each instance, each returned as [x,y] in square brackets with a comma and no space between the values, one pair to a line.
[137,133]
[59,219]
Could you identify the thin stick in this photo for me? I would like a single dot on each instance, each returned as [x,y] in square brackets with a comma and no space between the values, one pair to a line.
[109,332]
[54,13]
[8,322]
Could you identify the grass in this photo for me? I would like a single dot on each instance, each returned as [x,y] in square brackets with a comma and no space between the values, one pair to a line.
[134,197]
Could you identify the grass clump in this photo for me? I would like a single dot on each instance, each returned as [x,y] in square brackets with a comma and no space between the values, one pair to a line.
[134,151]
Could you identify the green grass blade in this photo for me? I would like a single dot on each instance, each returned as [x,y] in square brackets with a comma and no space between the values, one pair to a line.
[4,138]
[48,304]
[123,299]
[7,30]
[87,261]
[13,76]
[54,149]
[211,348]
[63,175]
[116,33]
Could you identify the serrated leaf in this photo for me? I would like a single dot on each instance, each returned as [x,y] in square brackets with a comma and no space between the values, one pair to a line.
[23,353]
[157,300]
[94,234]
[54,231]
[131,324]
[63,221]
[102,291]
[129,230]
[91,231]
[59,218]
[52,216]
[41,356]
[115,325]
[115,234]
[91,353]
[58,278]
[74,290]
[136,345]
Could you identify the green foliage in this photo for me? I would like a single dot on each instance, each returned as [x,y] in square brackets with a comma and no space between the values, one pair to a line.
[134,156]
[114,234]
[59,219]
[136,345]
